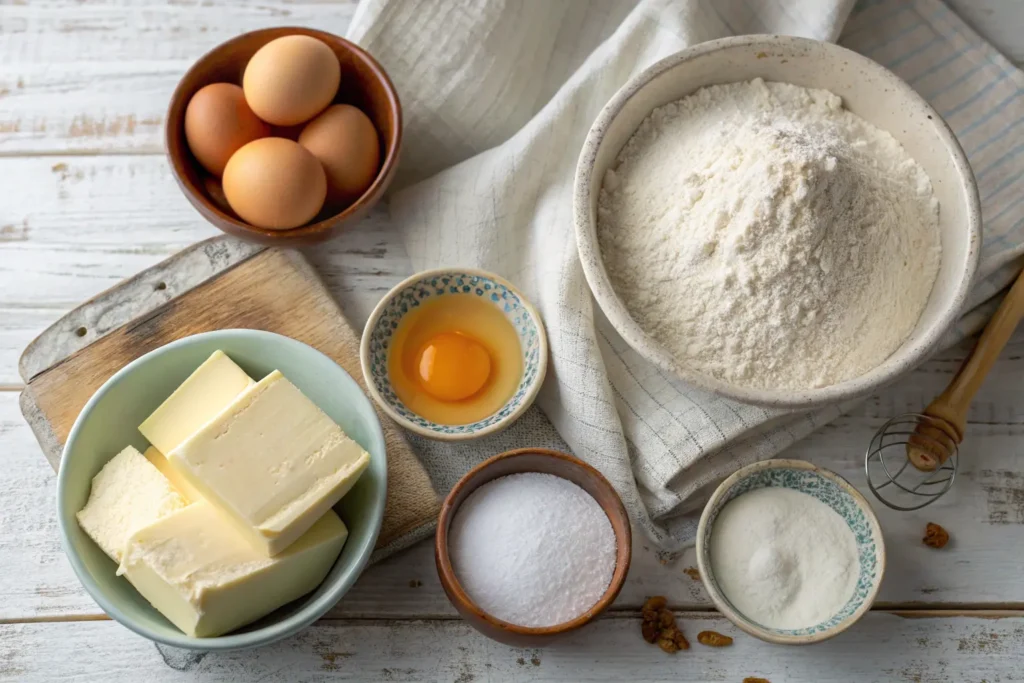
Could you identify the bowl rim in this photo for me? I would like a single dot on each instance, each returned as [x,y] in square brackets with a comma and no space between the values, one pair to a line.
[450,581]
[722,603]
[388,163]
[231,641]
[528,398]
[615,310]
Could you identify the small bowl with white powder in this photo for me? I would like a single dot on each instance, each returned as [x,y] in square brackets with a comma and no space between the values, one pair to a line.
[532,544]
[778,220]
[789,552]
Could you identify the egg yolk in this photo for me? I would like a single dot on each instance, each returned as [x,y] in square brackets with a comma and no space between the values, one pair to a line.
[453,366]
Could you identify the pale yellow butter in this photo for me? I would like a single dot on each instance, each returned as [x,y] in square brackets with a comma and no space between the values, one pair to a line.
[178,481]
[207,580]
[127,494]
[272,461]
[206,392]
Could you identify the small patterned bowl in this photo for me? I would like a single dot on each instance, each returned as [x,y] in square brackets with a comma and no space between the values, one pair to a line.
[413,291]
[838,494]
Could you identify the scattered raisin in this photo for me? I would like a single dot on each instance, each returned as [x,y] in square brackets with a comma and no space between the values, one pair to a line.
[935,536]
[753,679]
[713,639]
[655,603]
[659,626]
[668,645]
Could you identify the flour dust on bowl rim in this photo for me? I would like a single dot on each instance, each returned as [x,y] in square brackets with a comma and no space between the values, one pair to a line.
[109,422]
[869,91]
[429,285]
[828,488]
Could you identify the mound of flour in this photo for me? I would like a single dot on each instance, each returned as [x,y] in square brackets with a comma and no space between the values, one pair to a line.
[769,237]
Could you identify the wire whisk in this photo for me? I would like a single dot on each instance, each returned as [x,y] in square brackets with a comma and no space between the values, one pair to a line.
[888,455]
[913,459]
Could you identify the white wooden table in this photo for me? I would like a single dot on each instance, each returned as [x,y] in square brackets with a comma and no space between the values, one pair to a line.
[86,199]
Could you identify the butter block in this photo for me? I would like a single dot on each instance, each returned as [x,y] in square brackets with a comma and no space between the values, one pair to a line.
[272,461]
[178,481]
[205,393]
[129,493]
[207,580]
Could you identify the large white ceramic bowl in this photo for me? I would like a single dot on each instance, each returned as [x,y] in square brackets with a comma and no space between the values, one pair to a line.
[868,90]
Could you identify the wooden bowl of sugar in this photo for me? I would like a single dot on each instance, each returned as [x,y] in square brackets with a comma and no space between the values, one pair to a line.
[532,544]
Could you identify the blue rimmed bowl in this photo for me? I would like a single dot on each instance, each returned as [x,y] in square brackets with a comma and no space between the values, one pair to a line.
[430,284]
[829,488]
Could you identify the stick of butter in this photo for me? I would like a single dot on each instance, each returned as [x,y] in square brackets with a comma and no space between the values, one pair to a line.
[127,494]
[178,481]
[207,580]
[206,392]
[272,461]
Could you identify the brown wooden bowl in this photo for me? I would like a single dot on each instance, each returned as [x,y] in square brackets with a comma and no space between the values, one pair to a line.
[364,84]
[548,462]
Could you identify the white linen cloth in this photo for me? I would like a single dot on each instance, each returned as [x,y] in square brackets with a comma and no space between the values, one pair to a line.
[498,97]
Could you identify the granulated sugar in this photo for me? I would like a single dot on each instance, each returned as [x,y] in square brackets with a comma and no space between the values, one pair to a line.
[532,549]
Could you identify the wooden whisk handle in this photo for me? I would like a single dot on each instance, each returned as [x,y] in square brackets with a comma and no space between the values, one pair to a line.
[952,404]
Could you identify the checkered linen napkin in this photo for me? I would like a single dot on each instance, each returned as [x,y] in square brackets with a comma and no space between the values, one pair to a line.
[499,96]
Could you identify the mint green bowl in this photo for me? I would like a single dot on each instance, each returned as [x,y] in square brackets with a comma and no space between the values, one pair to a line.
[109,422]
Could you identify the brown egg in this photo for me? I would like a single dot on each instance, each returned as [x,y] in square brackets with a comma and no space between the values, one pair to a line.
[291,79]
[218,122]
[275,183]
[346,143]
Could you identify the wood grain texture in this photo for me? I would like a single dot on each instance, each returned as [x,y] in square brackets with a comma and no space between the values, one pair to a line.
[37,582]
[94,78]
[117,62]
[137,296]
[270,290]
[881,648]
[981,566]
[71,227]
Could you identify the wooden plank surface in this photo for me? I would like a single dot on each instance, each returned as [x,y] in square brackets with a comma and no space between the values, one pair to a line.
[88,201]
[881,648]
[985,514]
[117,62]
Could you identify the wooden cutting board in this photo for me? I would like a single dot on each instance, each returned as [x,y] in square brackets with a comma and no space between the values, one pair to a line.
[217,284]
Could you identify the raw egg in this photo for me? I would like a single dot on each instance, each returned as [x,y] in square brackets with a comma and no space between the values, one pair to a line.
[275,183]
[344,140]
[455,359]
[291,79]
[218,122]
[453,366]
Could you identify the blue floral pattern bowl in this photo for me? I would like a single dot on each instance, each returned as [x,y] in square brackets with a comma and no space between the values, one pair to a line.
[830,489]
[411,293]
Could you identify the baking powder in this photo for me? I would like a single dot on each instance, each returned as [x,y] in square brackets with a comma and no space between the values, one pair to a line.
[768,237]
[783,558]
[532,549]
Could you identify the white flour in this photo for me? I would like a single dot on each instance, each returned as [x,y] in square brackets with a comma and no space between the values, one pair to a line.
[768,237]
[783,558]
